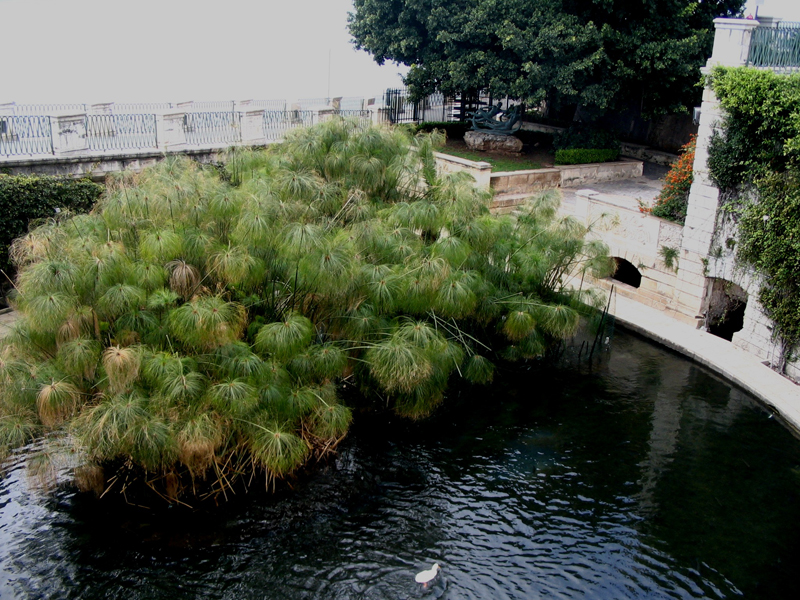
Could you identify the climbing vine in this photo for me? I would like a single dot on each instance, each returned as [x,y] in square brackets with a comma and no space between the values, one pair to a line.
[755,161]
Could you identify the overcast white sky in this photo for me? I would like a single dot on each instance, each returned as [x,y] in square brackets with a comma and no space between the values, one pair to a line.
[106,50]
[138,50]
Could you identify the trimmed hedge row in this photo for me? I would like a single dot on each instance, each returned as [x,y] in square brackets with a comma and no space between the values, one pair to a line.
[26,198]
[580,156]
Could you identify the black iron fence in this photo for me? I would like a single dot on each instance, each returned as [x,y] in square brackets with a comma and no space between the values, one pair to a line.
[400,108]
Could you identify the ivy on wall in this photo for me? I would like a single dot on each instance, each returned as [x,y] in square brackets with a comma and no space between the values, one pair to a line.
[758,150]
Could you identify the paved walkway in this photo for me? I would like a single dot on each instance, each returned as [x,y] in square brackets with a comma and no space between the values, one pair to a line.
[622,192]
[746,370]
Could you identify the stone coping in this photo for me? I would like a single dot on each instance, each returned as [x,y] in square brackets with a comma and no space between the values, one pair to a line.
[464,162]
[778,393]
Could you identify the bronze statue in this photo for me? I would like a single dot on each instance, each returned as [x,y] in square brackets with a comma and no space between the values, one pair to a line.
[495,120]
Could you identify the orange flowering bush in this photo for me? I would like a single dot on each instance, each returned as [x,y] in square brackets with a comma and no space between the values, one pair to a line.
[674,197]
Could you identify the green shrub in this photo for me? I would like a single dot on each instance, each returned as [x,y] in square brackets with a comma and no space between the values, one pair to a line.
[454,130]
[759,148]
[761,128]
[26,198]
[189,328]
[580,136]
[582,156]
[673,201]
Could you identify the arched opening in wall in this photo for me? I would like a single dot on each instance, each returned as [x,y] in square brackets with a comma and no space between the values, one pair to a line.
[626,272]
[726,305]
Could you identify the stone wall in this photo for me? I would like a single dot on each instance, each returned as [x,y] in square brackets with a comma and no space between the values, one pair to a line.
[481,171]
[639,238]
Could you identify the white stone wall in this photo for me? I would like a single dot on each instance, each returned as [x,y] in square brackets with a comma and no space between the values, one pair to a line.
[708,246]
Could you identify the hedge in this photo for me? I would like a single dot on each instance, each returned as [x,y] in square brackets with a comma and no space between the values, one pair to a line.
[455,130]
[26,198]
[580,156]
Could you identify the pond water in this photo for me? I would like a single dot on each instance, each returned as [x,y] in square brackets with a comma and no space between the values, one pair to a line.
[649,478]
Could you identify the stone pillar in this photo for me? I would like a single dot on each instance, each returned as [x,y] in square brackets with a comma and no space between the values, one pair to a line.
[253,127]
[324,114]
[170,130]
[731,46]
[379,116]
[7,109]
[731,42]
[69,133]
[768,21]
[483,175]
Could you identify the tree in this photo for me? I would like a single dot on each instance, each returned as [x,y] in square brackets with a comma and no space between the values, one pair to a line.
[600,54]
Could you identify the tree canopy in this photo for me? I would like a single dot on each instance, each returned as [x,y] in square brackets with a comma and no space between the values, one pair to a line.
[600,54]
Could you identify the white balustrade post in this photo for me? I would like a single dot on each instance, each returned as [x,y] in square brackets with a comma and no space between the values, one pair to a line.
[324,114]
[731,42]
[253,127]
[170,130]
[69,133]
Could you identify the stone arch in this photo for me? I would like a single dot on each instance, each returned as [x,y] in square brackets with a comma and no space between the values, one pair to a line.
[626,272]
[726,303]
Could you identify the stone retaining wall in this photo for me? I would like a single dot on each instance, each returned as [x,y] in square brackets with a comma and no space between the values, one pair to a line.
[638,238]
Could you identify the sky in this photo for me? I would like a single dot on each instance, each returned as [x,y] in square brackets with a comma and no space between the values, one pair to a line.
[176,50]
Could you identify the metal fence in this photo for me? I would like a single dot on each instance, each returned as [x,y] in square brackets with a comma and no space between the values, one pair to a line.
[141,107]
[212,127]
[775,47]
[215,106]
[24,134]
[269,104]
[436,107]
[364,117]
[49,109]
[278,122]
[121,132]
[308,103]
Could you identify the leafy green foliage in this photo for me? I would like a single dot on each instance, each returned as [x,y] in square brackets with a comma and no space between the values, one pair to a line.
[188,328]
[24,199]
[603,54]
[581,156]
[580,135]
[769,239]
[673,200]
[759,149]
[761,129]
[453,130]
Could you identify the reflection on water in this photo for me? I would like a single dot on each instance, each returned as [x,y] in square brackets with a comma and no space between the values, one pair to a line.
[648,479]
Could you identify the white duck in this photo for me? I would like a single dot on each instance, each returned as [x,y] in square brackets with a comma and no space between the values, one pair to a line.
[425,577]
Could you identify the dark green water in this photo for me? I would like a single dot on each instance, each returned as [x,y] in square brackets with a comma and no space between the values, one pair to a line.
[650,478]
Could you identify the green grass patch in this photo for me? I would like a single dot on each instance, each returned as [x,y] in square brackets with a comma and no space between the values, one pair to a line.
[509,163]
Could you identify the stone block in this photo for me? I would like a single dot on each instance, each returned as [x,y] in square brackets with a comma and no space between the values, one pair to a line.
[69,134]
[492,142]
